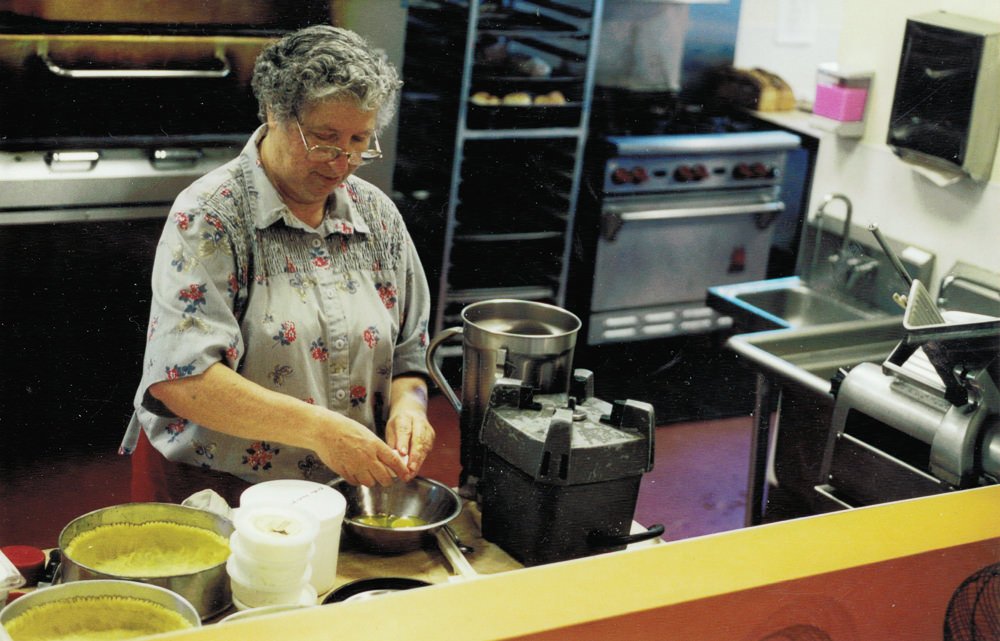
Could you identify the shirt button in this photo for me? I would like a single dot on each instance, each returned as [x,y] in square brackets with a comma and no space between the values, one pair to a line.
[330,294]
[340,394]
[340,343]
[316,242]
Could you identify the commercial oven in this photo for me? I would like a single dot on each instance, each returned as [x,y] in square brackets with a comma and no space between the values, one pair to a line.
[670,215]
[109,111]
[680,214]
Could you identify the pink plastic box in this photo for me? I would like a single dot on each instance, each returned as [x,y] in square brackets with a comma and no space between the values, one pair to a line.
[846,104]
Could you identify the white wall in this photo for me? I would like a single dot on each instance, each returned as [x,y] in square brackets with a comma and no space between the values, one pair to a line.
[959,222]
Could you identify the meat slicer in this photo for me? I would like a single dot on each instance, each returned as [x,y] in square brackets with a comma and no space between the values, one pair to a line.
[925,421]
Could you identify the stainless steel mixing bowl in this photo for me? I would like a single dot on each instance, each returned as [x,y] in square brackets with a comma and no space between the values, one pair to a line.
[423,498]
[208,590]
[108,592]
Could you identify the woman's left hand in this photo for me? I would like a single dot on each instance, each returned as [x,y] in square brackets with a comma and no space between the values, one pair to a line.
[408,431]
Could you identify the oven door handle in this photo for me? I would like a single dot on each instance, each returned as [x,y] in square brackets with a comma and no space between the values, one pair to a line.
[65,72]
[612,219]
[83,215]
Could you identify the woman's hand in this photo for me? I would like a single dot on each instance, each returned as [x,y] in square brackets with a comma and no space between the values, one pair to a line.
[357,454]
[223,400]
[408,430]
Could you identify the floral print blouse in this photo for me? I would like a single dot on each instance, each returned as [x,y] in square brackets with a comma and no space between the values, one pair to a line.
[328,315]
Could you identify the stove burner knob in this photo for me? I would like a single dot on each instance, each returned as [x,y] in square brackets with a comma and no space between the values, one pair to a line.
[683,174]
[639,175]
[700,172]
[621,176]
[758,170]
[742,171]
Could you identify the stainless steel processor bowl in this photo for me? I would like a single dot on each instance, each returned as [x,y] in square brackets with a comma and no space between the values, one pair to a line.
[430,501]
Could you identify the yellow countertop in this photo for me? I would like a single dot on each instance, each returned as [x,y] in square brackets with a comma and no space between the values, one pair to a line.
[891,568]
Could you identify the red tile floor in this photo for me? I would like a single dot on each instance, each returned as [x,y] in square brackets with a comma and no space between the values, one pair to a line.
[697,485]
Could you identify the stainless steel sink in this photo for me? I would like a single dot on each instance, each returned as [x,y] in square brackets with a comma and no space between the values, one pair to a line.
[811,356]
[797,365]
[785,303]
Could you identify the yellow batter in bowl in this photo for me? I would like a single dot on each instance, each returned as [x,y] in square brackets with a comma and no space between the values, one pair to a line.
[95,618]
[147,550]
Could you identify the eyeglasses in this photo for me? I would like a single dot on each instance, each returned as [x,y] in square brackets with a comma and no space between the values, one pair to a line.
[329,153]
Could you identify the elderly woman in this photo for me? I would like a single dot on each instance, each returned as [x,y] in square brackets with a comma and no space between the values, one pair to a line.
[289,317]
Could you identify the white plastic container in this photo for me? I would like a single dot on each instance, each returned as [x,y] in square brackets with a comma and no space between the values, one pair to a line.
[246,597]
[252,576]
[278,570]
[272,548]
[326,504]
[275,534]
[307,597]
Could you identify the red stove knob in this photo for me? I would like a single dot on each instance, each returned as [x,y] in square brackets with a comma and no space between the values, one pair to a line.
[621,176]
[742,171]
[683,174]
[758,170]
[700,172]
[639,175]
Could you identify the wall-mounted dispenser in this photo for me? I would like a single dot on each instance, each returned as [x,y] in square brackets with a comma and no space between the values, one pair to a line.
[946,108]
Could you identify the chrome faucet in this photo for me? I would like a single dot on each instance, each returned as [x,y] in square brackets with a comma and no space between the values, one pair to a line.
[852,267]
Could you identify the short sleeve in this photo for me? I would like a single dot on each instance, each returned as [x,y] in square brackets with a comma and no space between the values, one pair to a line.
[411,345]
[192,324]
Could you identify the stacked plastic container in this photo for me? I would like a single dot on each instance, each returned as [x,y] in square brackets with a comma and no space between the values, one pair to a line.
[272,549]
[323,503]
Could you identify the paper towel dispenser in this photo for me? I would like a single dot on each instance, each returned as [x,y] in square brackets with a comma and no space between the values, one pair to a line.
[945,110]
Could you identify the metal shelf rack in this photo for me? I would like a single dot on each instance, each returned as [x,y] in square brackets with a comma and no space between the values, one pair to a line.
[510,201]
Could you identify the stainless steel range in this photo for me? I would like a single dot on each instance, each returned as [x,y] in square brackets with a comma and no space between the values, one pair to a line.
[678,214]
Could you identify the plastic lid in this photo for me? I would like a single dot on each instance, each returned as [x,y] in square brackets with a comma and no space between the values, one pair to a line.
[322,501]
[10,577]
[273,529]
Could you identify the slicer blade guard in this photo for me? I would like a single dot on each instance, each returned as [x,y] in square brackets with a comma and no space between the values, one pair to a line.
[953,348]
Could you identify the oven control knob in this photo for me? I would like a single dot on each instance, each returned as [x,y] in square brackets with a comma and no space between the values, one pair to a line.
[742,171]
[700,172]
[683,174]
[621,176]
[758,170]
[639,175]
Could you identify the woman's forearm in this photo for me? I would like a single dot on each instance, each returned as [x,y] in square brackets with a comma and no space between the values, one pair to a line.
[409,392]
[225,401]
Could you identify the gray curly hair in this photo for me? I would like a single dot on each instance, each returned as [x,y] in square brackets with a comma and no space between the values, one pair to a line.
[323,63]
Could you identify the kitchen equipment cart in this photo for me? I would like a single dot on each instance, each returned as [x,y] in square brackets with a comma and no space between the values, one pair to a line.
[499,94]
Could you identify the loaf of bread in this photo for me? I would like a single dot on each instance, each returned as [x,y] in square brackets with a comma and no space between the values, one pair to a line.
[517,98]
[551,98]
[484,98]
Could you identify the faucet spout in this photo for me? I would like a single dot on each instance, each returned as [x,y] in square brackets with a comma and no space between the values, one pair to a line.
[846,234]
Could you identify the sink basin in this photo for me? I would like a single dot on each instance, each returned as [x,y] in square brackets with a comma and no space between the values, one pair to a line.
[784,303]
[811,356]
[800,306]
